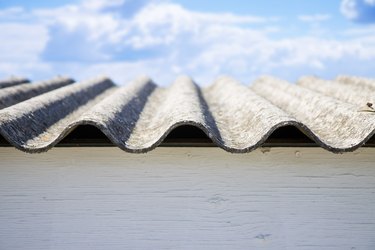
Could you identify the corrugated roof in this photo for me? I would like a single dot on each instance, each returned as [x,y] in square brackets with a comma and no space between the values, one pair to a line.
[336,114]
[13,81]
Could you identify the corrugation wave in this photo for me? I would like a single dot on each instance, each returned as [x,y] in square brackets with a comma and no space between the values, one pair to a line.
[139,116]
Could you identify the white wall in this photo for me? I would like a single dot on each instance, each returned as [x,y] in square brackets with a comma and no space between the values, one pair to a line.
[187,198]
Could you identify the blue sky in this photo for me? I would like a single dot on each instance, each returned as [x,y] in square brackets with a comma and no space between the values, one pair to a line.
[164,39]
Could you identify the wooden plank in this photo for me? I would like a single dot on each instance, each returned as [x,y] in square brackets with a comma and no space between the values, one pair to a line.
[187,198]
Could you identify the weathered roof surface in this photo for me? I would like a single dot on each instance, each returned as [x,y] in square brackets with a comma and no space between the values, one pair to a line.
[13,81]
[336,114]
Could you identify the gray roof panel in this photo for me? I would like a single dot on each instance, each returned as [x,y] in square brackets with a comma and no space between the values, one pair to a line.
[332,123]
[237,118]
[13,95]
[13,81]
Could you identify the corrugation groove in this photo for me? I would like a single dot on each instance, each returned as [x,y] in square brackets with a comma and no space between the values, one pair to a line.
[26,120]
[13,81]
[139,116]
[244,118]
[180,104]
[360,82]
[13,95]
[344,92]
[334,124]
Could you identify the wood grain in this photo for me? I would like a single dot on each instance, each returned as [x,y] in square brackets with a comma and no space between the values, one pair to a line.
[187,198]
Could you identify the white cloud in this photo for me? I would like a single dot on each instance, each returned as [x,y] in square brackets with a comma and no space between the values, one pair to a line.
[348,9]
[73,17]
[165,23]
[363,33]
[370,2]
[163,39]
[10,12]
[96,5]
[21,42]
[314,18]
[361,11]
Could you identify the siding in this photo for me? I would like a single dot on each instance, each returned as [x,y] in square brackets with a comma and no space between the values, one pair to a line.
[187,198]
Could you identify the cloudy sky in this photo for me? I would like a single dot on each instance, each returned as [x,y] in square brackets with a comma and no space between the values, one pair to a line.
[203,39]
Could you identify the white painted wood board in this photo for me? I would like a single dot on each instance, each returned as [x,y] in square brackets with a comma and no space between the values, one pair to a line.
[187,198]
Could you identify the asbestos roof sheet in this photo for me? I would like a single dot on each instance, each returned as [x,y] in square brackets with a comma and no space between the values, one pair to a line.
[337,114]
